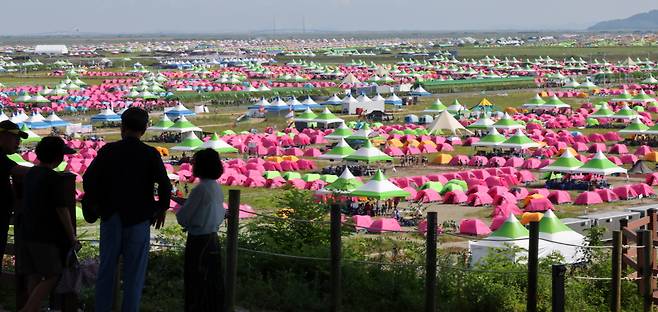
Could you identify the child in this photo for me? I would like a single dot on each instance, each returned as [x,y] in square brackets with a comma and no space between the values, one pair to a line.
[200,215]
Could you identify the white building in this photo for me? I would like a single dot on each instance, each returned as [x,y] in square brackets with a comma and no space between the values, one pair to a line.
[51,49]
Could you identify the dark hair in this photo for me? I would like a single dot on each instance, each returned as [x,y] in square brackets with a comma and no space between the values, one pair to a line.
[50,149]
[207,164]
[135,118]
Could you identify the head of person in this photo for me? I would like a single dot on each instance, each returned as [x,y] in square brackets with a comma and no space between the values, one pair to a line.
[133,122]
[51,150]
[207,164]
[10,137]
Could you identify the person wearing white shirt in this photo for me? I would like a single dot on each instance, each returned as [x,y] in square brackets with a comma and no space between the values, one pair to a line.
[200,215]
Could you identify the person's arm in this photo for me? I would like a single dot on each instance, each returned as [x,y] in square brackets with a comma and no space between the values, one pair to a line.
[185,215]
[65,219]
[164,191]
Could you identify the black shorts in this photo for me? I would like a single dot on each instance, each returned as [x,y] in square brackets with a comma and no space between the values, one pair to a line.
[39,258]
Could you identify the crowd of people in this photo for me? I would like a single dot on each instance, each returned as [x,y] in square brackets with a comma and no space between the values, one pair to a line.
[44,231]
[411,160]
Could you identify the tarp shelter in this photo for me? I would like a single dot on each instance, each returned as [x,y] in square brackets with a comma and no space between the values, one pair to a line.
[510,234]
[640,167]
[339,151]
[162,125]
[552,232]
[368,153]
[178,111]
[218,145]
[492,139]
[601,165]
[567,162]
[189,143]
[447,122]
[379,188]
[345,184]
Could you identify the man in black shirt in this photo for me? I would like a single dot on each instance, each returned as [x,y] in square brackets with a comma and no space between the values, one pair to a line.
[120,183]
[10,138]
[47,232]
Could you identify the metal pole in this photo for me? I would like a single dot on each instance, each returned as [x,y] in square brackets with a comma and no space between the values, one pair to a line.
[232,248]
[615,304]
[558,271]
[335,259]
[533,251]
[430,263]
[647,291]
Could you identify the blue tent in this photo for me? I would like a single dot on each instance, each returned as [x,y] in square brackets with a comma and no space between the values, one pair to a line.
[106,115]
[178,111]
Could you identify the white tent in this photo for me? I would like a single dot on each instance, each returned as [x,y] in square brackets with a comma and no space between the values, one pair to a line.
[446,121]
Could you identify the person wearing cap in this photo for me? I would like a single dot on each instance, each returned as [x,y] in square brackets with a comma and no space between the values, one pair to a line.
[121,180]
[10,139]
[47,232]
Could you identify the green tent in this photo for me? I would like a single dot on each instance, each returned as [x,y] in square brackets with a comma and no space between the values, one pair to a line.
[379,188]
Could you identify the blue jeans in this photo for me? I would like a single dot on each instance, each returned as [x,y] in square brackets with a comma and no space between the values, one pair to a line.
[132,242]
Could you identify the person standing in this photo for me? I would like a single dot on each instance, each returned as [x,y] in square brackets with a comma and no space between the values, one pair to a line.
[200,215]
[120,183]
[10,139]
[46,227]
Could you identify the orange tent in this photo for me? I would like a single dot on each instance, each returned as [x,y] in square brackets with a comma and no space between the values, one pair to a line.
[528,217]
[442,159]
[562,150]
[651,156]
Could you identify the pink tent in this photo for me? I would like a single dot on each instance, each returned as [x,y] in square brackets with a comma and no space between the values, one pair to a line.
[525,176]
[361,223]
[297,183]
[422,227]
[497,161]
[246,211]
[419,180]
[503,198]
[538,204]
[497,221]
[607,195]
[295,151]
[588,198]
[412,192]
[559,197]
[427,196]
[454,197]
[643,190]
[520,192]
[514,162]
[477,188]
[642,150]
[541,191]
[275,182]
[473,227]
[497,190]
[629,159]
[579,147]
[619,149]
[478,161]
[531,163]
[305,164]
[459,160]
[393,151]
[505,210]
[479,199]
[651,179]
[597,147]
[400,182]
[625,192]
[384,225]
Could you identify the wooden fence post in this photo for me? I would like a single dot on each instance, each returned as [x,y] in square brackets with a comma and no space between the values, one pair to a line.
[232,248]
[644,239]
[533,254]
[557,283]
[335,258]
[615,304]
[430,262]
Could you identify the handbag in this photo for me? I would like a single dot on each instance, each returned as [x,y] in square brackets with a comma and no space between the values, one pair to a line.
[71,279]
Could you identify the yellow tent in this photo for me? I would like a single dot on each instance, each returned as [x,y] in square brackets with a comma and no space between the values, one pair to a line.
[442,159]
[511,110]
[395,143]
[275,159]
[485,102]
[291,158]
[531,197]
[413,143]
[427,143]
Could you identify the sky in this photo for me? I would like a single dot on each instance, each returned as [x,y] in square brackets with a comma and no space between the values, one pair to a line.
[255,16]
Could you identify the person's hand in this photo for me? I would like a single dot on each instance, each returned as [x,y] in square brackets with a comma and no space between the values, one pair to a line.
[159,220]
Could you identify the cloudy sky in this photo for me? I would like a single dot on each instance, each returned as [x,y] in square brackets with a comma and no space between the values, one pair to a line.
[253,16]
